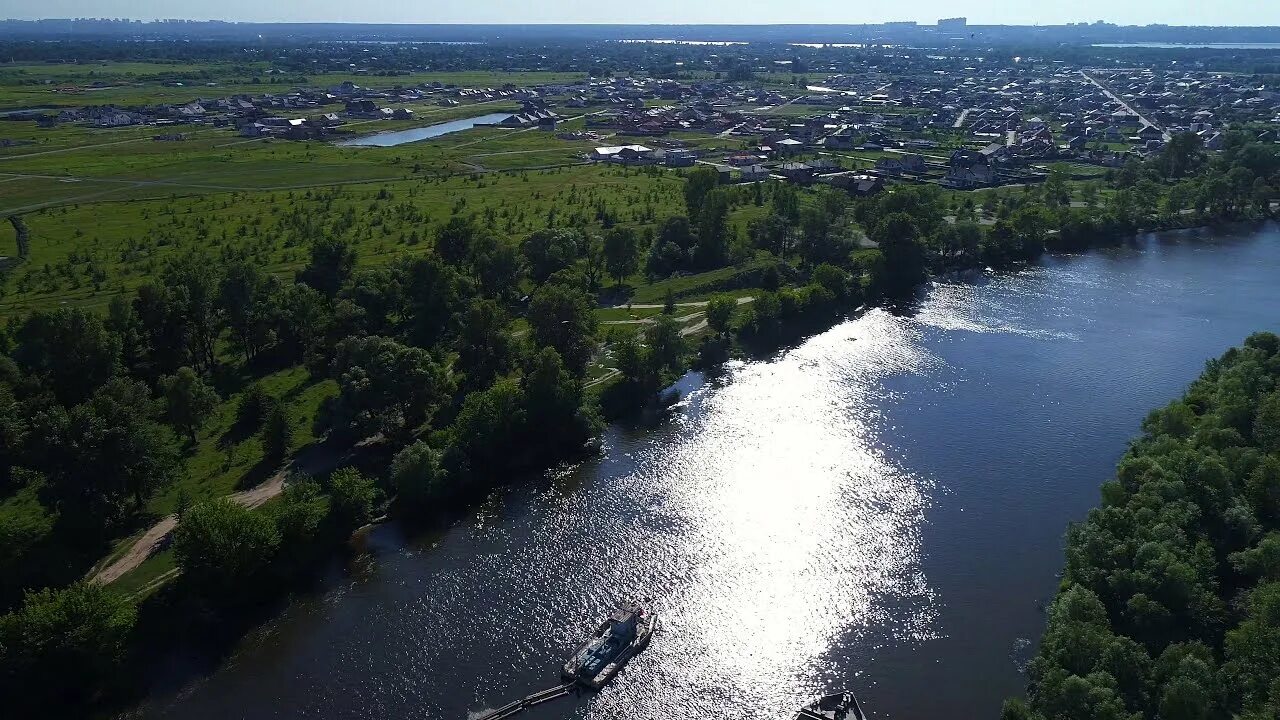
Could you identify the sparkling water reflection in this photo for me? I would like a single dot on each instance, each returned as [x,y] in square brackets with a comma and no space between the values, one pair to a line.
[880,508]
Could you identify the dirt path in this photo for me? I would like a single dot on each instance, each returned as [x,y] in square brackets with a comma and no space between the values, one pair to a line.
[157,536]
[695,303]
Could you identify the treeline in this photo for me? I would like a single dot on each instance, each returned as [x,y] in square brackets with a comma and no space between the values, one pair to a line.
[97,413]
[1169,605]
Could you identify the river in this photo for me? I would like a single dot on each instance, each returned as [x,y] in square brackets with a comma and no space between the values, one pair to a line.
[880,508]
[392,138]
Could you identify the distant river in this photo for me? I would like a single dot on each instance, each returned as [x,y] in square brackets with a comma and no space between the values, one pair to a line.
[1193,45]
[400,137]
[880,508]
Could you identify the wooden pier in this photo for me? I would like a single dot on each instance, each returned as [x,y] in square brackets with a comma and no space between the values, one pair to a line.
[516,707]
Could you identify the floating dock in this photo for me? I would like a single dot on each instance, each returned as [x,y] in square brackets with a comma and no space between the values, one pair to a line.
[515,708]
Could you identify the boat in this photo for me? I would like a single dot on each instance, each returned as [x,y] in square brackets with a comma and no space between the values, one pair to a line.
[840,706]
[619,638]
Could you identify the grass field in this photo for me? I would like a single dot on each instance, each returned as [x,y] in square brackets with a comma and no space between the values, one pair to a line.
[108,208]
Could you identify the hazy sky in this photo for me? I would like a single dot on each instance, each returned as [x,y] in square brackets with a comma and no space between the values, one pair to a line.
[1022,12]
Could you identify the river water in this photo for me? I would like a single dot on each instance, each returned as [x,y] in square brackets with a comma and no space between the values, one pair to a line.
[880,509]
[392,138]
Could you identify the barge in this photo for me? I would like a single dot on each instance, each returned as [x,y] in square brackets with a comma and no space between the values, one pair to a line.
[619,638]
[840,706]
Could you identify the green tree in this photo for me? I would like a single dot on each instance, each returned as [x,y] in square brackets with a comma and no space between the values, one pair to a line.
[224,548]
[351,497]
[68,350]
[63,647]
[193,284]
[621,253]
[331,264]
[254,404]
[485,346]
[388,387]
[276,435]
[548,252]
[418,475]
[719,312]
[899,239]
[1266,425]
[242,299]
[712,249]
[553,404]
[188,401]
[105,457]
[562,318]
[698,185]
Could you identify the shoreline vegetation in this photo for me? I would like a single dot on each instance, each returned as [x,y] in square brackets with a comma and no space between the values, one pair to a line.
[1169,601]
[409,347]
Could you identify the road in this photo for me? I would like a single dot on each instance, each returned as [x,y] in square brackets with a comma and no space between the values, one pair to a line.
[1141,118]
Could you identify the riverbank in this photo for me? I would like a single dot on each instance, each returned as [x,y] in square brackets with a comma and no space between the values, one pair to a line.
[885,500]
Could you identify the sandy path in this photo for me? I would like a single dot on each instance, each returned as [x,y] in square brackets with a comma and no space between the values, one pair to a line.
[157,536]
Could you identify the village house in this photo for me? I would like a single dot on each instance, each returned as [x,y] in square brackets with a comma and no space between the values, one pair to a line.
[797,172]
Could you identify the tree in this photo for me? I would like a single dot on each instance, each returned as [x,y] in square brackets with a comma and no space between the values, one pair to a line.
[276,435]
[193,285]
[672,248]
[436,294]
[104,457]
[553,403]
[254,405]
[899,239]
[562,317]
[223,548]
[719,311]
[332,262]
[242,298]
[592,264]
[68,350]
[388,387]
[485,438]
[454,238]
[712,249]
[352,496]
[700,182]
[418,475]
[1181,155]
[299,517]
[485,346]
[62,647]
[548,252]
[188,400]
[379,294]
[299,316]
[621,253]
[666,346]
[1266,425]
[495,264]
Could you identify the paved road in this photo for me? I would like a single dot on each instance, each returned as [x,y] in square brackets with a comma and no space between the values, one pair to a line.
[1141,118]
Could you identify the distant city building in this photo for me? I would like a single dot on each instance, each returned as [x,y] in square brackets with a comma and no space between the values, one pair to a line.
[956,23]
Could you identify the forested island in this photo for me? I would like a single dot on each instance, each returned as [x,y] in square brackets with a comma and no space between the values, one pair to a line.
[1169,601]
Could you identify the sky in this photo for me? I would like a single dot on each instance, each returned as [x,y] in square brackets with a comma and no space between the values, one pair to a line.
[1007,12]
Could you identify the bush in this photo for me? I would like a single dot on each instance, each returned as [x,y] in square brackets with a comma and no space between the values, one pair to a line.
[62,646]
[223,548]
[418,475]
[351,497]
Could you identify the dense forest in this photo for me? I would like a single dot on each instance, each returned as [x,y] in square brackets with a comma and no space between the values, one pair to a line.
[1170,601]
